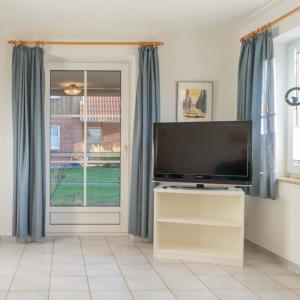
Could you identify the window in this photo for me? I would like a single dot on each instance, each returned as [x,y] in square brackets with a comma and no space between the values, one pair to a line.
[54,137]
[294,112]
[85,154]
[93,139]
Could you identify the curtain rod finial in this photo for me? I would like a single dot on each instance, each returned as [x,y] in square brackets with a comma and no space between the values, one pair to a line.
[17,43]
[12,42]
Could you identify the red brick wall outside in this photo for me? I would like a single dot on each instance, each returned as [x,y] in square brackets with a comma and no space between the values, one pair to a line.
[110,135]
[71,134]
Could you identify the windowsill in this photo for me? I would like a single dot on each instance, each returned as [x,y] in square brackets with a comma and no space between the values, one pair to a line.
[290,180]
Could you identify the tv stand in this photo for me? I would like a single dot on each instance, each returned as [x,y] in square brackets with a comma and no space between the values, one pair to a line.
[204,225]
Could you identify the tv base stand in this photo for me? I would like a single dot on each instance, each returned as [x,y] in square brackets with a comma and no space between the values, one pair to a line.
[197,186]
[200,186]
[203,225]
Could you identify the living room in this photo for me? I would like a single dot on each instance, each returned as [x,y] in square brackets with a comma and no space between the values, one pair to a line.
[99,100]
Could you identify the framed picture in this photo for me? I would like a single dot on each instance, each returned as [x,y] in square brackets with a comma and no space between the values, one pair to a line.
[194,101]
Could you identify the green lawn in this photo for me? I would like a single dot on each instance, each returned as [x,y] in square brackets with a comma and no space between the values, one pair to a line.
[103,186]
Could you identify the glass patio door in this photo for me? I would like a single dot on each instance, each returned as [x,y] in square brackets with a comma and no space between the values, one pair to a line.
[88,170]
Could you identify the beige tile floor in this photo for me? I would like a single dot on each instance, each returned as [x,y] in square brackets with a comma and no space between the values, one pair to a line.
[116,268]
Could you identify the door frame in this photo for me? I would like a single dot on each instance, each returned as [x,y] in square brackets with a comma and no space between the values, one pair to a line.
[121,225]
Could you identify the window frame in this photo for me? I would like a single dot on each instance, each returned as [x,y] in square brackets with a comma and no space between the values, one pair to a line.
[292,167]
[58,138]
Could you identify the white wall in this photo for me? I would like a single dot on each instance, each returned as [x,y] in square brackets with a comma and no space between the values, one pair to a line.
[268,14]
[212,57]
[186,56]
[275,224]
[6,162]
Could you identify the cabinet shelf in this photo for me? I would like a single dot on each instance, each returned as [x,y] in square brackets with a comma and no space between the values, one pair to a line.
[205,252]
[210,221]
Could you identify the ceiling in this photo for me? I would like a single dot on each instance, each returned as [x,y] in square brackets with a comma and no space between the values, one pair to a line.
[58,18]
[95,79]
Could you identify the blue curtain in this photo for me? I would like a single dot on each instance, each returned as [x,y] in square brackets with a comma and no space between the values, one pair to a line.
[256,103]
[147,111]
[28,140]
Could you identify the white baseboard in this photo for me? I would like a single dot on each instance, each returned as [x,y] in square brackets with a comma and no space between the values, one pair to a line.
[283,261]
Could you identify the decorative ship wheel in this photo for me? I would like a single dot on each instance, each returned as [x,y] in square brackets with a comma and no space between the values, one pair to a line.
[292,100]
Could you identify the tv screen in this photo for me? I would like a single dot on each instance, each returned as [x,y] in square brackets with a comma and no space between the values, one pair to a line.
[203,152]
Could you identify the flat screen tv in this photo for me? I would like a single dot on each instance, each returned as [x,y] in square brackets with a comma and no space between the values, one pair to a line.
[203,152]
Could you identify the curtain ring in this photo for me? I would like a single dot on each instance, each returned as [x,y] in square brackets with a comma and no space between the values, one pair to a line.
[39,43]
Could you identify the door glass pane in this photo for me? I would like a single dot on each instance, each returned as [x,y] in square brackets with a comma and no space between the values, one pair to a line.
[103,184]
[63,105]
[66,135]
[66,182]
[103,137]
[94,135]
[85,138]
[66,138]
[54,137]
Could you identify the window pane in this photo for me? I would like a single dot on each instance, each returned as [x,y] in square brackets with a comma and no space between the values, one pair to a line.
[71,132]
[66,186]
[103,184]
[295,96]
[104,83]
[99,120]
[103,137]
[66,138]
[54,137]
[67,89]
[296,144]
[72,159]
[66,105]
[94,137]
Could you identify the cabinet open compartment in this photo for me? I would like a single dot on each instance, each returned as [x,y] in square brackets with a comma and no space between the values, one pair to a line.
[199,225]
[208,209]
[199,240]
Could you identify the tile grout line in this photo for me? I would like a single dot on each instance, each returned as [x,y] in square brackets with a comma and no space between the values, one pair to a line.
[157,273]
[201,280]
[270,277]
[233,275]
[228,274]
[256,294]
[51,265]
[130,291]
[87,278]
[147,258]
[13,277]
[254,291]
[292,290]
[263,273]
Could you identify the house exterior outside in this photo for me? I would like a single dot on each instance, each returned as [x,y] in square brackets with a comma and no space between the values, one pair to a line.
[103,124]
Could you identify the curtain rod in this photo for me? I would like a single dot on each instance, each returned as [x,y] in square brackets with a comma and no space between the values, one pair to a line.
[269,25]
[44,43]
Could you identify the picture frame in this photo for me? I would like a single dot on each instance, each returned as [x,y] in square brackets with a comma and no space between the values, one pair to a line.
[194,101]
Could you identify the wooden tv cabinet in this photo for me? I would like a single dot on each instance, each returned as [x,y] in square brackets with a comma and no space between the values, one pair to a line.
[202,225]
